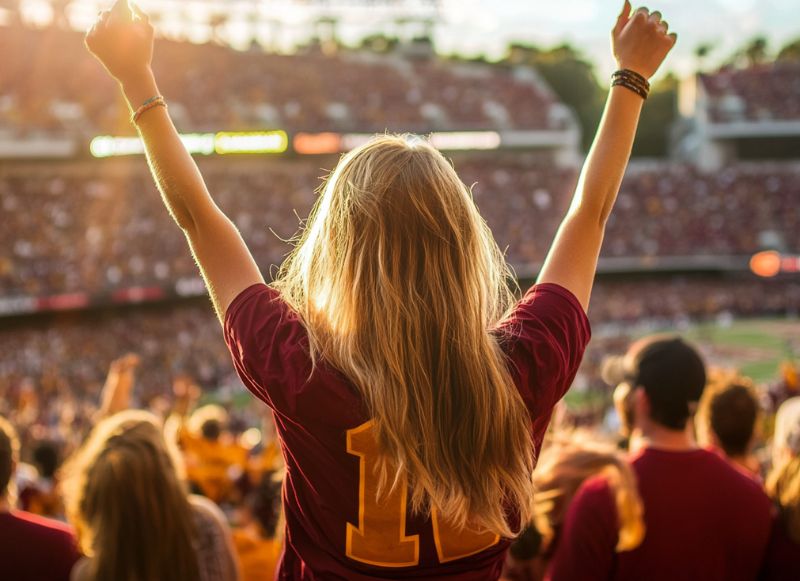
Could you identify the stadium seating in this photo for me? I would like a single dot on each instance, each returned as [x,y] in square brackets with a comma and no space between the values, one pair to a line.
[761,93]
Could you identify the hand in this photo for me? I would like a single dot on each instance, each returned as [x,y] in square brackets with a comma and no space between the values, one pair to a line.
[125,364]
[122,40]
[186,393]
[116,393]
[641,41]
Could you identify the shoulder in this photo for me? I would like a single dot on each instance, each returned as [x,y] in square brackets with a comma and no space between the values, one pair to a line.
[260,307]
[207,512]
[595,490]
[544,337]
[546,302]
[740,482]
[42,528]
[269,345]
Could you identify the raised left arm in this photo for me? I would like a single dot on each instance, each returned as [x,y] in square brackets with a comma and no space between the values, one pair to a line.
[122,40]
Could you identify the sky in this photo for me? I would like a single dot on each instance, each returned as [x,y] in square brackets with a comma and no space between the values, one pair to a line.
[586,24]
[475,27]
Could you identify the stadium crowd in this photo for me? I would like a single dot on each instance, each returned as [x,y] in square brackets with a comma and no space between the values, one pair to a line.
[52,369]
[217,468]
[766,92]
[95,231]
[222,89]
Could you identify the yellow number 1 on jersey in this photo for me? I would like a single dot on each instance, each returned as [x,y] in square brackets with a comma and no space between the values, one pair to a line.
[380,538]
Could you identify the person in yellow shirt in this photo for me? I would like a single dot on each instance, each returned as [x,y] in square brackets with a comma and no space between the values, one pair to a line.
[257,540]
[214,460]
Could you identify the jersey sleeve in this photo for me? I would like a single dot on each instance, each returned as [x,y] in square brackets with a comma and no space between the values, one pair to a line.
[588,540]
[269,346]
[545,338]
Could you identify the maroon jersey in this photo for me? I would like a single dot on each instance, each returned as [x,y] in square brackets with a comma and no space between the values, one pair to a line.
[33,548]
[704,520]
[335,529]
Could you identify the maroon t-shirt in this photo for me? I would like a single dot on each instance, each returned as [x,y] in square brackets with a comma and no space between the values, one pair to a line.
[33,548]
[334,527]
[704,520]
[782,562]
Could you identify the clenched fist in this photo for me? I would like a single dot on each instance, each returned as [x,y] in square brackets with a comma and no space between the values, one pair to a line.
[641,40]
[122,39]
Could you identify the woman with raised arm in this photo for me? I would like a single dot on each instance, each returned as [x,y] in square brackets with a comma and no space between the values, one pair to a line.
[410,392]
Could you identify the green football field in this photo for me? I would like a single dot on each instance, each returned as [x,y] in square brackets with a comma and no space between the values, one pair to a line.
[755,347]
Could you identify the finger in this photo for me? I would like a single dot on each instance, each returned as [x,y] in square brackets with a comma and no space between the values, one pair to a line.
[623,17]
[121,9]
[641,13]
[664,26]
[674,37]
[102,18]
[138,13]
[655,17]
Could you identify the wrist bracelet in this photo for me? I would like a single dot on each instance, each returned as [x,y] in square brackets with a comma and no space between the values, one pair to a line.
[152,102]
[634,77]
[632,81]
[630,86]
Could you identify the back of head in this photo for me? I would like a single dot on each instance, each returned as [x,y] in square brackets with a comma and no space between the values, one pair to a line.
[208,421]
[46,458]
[786,418]
[398,282]
[9,450]
[128,505]
[729,409]
[671,373]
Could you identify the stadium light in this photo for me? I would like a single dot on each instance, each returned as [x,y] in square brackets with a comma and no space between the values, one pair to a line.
[222,143]
[771,263]
[109,146]
[228,142]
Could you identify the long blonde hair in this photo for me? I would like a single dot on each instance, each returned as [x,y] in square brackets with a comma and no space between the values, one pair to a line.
[564,465]
[783,483]
[128,504]
[783,486]
[399,284]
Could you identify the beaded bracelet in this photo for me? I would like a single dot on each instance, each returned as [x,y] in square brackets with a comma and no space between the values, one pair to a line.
[632,76]
[152,102]
[632,81]
[630,86]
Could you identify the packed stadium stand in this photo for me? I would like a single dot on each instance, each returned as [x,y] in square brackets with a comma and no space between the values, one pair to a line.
[740,113]
[763,92]
[211,87]
[103,233]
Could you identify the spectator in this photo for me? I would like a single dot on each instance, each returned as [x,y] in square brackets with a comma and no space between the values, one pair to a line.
[727,419]
[257,539]
[31,548]
[132,513]
[561,470]
[783,485]
[704,519]
[214,460]
[564,465]
[42,496]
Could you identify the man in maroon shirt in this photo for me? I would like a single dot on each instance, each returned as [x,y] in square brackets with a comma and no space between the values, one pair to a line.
[31,548]
[704,519]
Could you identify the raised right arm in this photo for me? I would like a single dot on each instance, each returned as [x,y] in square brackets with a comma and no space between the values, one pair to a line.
[641,43]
